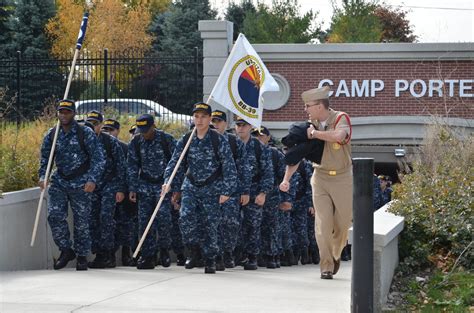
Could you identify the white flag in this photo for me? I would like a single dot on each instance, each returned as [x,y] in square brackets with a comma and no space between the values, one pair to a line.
[242,82]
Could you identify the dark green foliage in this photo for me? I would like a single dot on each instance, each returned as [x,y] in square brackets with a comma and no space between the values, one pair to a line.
[236,14]
[282,23]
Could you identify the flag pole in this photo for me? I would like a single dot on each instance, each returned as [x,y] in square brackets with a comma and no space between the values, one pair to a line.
[80,39]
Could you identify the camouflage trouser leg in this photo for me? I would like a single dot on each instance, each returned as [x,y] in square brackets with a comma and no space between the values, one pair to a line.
[311,232]
[164,224]
[146,205]
[176,239]
[199,221]
[126,231]
[299,215]
[251,223]
[269,245]
[103,212]
[230,225]
[80,202]
[285,223]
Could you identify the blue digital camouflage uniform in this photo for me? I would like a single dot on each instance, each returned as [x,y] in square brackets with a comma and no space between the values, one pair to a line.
[386,195]
[378,196]
[176,239]
[269,228]
[64,190]
[303,201]
[102,224]
[231,217]
[126,233]
[284,229]
[145,177]
[262,181]
[200,209]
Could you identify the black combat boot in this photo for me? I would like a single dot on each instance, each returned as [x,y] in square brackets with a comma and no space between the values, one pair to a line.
[81,264]
[296,257]
[127,256]
[180,259]
[271,262]
[99,260]
[165,259]
[290,258]
[210,266]
[251,263]
[346,253]
[220,263]
[277,261]
[314,255]
[192,260]
[228,260]
[110,261]
[304,256]
[146,263]
[64,258]
[261,260]
[284,260]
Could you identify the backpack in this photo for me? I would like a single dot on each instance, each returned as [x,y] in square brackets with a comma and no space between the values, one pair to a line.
[233,145]
[164,145]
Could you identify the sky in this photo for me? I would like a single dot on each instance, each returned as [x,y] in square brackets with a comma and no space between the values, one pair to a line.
[431,20]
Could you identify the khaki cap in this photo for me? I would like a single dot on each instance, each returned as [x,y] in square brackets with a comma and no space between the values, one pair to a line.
[315,94]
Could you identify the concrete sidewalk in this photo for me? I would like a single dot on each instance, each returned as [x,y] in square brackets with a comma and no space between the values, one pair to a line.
[174,289]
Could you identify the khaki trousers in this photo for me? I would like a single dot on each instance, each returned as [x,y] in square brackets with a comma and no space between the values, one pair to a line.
[332,201]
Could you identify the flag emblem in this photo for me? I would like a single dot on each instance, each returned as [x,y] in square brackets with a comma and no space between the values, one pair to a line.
[244,84]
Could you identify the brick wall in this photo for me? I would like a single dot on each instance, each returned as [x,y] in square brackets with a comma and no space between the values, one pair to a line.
[306,75]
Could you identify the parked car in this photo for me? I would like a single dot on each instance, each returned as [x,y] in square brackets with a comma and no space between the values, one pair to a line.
[130,107]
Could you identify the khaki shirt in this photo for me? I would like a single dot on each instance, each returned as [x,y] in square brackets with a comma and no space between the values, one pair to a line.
[336,156]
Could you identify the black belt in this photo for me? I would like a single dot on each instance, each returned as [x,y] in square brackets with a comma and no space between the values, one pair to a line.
[81,170]
[207,181]
[150,179]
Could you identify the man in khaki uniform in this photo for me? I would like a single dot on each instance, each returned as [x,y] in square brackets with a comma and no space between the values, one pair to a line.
[332,179]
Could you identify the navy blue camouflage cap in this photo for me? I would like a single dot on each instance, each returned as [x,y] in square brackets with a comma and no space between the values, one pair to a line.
[240,120]
[217,114]
[95,116]
[144,123]
[66,104]
[260,131]
[111,124]
[203,107]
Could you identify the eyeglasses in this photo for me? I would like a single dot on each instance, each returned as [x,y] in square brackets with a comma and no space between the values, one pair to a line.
[310,105]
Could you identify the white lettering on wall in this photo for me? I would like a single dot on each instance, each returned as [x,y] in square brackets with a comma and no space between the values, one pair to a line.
[417,88]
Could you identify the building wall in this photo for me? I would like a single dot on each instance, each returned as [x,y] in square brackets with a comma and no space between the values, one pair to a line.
[302,76]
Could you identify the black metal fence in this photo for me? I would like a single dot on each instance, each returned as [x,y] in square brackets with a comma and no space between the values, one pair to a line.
[131,83]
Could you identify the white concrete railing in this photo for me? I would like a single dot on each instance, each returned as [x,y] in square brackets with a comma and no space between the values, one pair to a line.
[387,227]
[17,215]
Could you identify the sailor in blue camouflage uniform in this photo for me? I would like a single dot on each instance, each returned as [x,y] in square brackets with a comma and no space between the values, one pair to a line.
[299,212]
[261,168]
[148,154]
[313,245]
[126,231]
[231,217]
[79,166]
[109,191]
[269,239]
[210,180]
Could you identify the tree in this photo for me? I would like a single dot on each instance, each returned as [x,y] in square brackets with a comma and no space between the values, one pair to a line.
[28,37]
[355,22]
[6,10]
[176,35]
[236,14]
[112,24]
[282,23]
[176,31]
[395,25]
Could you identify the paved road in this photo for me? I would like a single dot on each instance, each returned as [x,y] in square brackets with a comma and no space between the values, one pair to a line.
[291,289]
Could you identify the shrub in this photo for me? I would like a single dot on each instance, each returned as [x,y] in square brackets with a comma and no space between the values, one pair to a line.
[20,147]
[436,201]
